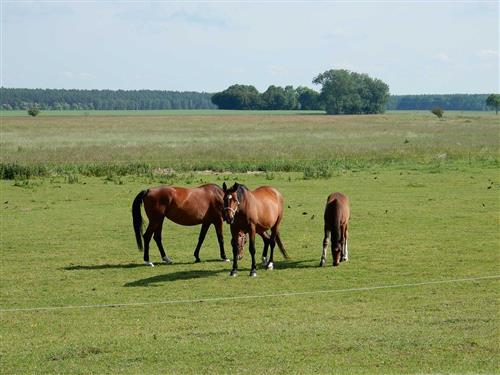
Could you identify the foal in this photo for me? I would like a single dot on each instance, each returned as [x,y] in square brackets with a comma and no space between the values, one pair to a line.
[337,214]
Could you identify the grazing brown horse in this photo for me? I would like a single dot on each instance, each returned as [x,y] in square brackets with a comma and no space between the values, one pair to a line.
[337,214]
[253,212]
[202,205]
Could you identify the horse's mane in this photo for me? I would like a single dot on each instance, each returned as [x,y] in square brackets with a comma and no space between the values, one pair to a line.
[240,190]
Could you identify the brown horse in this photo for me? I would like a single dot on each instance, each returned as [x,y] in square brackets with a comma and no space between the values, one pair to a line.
[337,214]
[253,212]
[202,205]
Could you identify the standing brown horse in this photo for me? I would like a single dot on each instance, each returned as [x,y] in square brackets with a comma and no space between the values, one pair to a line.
[337,214]
[202,205]
[253,212]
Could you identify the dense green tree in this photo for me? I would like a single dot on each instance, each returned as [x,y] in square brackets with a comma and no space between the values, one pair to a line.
[345,92]
[292,101]
[237,97]
[308,98]
[493,101]
[274,97]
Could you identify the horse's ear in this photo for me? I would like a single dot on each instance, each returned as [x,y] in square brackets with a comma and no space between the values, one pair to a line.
[224,186]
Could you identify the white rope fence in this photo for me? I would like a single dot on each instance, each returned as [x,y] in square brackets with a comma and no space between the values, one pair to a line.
[235,298]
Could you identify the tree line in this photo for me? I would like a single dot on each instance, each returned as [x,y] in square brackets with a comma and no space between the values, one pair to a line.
[461,102]
[342,92]
[235,97]
[60,99]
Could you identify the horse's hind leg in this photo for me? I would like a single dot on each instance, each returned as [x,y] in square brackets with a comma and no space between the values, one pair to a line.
[147,238]
[266,239]
[272,243]
[201,238]
[345,252]
[157,237]
[326,241]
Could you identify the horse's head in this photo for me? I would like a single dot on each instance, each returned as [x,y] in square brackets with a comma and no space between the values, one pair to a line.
[337,252]
[231,202]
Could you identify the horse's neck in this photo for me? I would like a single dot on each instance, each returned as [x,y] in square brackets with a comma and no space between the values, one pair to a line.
[248,202]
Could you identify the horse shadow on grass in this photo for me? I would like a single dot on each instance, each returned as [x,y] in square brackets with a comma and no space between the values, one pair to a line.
[75,267]
[101,266]
[302,264]
[174,276]
[197,274]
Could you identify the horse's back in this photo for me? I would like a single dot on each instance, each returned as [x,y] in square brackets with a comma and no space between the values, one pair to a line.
[337,204]
[186,206]
[268,205]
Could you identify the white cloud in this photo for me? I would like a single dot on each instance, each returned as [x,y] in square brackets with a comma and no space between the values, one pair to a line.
[442,56]
[488,53]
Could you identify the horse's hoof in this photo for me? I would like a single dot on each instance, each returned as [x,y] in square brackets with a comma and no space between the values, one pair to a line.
[322,263]
[264,261]
[150,264]
[197,260]
[270,266]
[253,273]
[233,273]
[167,260]
[225,259]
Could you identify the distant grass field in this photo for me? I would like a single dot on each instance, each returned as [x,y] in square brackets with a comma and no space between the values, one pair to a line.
[243,142]
[162,112]
[70,243]
[419,295]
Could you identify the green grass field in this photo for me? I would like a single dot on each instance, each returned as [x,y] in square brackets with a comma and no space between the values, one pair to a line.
[419,294]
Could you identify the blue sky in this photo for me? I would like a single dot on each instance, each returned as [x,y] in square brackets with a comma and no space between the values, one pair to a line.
[416,47]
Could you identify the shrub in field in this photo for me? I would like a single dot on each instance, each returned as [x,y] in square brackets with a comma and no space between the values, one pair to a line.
[17,171]
[317,171]
[33,111]
[438,111]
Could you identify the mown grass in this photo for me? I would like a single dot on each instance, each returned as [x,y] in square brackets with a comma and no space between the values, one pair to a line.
[425,203]
[129,145]
[70,242]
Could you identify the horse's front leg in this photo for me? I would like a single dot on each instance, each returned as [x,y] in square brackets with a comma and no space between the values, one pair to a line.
[345,252]
[234,244]
[326,241]
[253,271]
[201,238]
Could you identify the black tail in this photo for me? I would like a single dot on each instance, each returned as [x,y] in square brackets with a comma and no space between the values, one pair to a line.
[137,217]
[281,247]
[336,235]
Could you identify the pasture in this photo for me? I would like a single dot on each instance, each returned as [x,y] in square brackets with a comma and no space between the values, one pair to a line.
[419,294]
[246,141]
